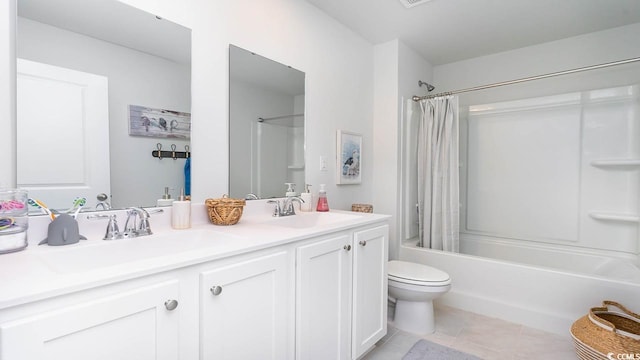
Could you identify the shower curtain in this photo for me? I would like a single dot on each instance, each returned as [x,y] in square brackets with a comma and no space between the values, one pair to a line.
[438,174]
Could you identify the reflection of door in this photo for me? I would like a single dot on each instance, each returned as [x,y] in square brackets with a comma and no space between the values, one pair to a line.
[63,133]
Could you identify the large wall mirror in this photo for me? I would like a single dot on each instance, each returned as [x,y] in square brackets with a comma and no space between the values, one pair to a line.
[266,126]
[100,86]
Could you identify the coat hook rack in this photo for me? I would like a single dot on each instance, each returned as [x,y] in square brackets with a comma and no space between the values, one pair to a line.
[175,155]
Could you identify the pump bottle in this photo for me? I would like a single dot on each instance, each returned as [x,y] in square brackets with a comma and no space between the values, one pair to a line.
[323,204]
[307,198]
[181,213]
[166,198]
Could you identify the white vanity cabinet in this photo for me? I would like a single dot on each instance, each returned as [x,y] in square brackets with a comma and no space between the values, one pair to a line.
[135,324]
[246,310]
[312,295]
[341,294]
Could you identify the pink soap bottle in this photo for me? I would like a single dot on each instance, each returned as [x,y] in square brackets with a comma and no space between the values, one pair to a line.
[323,204]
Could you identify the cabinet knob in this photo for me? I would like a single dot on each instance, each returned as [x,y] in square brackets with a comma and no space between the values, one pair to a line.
[216,290]
[171,304]
[347,247]
[363,243]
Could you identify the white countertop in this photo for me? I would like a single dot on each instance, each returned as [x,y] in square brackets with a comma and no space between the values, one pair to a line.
[43,271]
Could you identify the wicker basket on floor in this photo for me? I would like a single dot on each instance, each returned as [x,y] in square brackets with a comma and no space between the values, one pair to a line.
[609,329]
[224,210]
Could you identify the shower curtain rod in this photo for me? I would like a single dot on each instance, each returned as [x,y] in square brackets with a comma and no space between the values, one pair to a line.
[538,77]
[278,117]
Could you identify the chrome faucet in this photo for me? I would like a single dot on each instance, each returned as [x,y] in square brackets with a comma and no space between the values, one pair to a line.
[285,208]
[144,227]
[131,226]
[287,205]
[251,196]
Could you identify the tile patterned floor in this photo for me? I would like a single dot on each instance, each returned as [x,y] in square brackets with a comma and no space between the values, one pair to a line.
[485,337]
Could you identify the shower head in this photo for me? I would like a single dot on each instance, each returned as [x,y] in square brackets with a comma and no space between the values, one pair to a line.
[430,87]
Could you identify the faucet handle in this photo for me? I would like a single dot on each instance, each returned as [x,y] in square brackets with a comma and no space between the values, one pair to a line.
[145,226]
[278,209]
[112,232]
[130,227]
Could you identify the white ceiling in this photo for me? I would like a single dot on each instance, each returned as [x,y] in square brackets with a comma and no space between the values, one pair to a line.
[445,31]
[114,22]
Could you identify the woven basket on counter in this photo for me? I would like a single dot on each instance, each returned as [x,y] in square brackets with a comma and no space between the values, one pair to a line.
[365,208]
[225,210]
[608,329]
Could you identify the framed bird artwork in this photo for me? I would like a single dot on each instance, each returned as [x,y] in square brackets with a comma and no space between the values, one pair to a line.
[145,121]
[349,158]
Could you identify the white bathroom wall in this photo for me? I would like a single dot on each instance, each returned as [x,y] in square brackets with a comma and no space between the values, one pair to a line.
[397,71]
[385,130]
[412,68]
[135,78]
[584,50]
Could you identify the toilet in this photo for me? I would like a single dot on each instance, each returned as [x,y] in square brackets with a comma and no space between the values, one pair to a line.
[414,287]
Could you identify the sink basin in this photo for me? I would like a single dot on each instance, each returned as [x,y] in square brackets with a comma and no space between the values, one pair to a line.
[86,256]
[308,220]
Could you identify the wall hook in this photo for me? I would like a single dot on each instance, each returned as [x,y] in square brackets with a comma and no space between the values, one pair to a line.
[173,153]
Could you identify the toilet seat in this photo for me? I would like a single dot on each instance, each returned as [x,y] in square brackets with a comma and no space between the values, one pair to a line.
[416,274]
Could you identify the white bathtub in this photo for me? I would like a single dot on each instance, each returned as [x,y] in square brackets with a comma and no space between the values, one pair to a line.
[607,264]
[539,297]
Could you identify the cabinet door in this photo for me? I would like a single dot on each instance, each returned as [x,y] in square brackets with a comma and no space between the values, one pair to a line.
[133,325]
[323,299]
[245,310]
[369,288]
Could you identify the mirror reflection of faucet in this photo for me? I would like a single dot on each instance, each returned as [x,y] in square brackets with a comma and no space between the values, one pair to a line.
[102,202]
[291,189]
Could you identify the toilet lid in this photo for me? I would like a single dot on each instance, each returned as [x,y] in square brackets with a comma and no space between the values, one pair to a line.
[415,272]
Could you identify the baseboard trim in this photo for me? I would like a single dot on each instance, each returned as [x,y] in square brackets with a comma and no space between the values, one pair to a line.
[553,323]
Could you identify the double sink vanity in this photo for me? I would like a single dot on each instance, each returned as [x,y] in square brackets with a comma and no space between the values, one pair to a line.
[307,286]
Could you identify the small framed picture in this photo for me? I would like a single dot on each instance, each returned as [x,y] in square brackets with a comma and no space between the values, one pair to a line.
[145,121]
[349,154]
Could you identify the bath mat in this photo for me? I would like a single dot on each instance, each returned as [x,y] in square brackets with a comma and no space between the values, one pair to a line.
[426,350]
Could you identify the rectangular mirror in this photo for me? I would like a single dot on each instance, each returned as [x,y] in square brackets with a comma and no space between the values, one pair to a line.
[266,126]
[82,65]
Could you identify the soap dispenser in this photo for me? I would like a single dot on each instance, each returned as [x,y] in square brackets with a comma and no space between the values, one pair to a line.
[307,198]
[166,198]
[181,212]
[323,204]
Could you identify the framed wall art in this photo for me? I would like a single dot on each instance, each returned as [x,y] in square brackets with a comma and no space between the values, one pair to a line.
[145,121]
[349,154]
